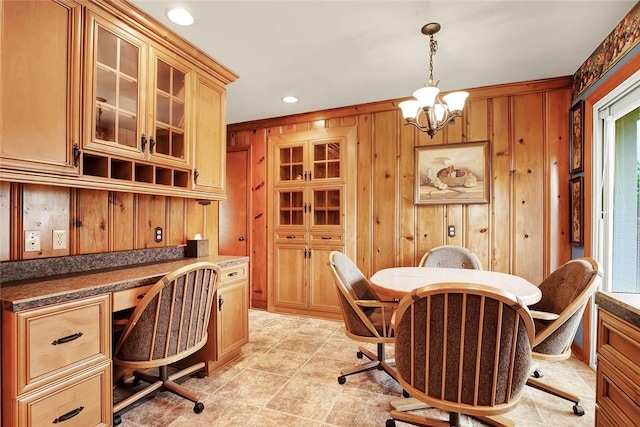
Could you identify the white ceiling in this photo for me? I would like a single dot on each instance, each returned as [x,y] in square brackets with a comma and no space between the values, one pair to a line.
[332,53]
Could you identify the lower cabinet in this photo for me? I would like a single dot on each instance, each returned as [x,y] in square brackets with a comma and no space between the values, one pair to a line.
[230,331]
[618,372]
[56,364]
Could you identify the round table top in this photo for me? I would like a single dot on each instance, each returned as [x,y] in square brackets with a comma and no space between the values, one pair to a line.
[394,283]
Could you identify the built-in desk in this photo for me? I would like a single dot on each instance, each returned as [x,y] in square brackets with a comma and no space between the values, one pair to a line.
[56,338]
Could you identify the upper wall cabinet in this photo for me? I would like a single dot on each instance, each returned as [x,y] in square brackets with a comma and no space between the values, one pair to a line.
[144,109]
[40,86]
[136,103]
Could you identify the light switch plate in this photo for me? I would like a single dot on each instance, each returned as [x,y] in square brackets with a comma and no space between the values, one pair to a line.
[31,240]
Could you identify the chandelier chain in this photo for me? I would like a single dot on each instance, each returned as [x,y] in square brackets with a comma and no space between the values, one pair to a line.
[433,47]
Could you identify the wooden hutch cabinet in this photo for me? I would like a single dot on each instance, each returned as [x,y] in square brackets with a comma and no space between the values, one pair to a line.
[152,115]
[312,204]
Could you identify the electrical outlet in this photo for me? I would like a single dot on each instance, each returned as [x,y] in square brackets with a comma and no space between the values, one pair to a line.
[59,239]
[31,241]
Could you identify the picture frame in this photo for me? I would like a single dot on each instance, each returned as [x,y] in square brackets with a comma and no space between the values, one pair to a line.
[576,138]
[457,173]
[576,210]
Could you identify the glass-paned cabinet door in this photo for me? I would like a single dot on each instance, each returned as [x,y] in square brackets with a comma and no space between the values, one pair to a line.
[168,137]
[326,207]
[290,163]
[326,159]
[115,85]
[291,207]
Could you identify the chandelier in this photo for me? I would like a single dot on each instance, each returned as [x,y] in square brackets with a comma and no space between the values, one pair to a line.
[437,112]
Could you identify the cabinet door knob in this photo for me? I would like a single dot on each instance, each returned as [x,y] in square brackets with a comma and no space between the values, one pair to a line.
[196,174]
[220,302]
[143,142]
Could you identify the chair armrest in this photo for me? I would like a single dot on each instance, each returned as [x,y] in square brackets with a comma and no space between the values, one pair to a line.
[543,315]
[372,303]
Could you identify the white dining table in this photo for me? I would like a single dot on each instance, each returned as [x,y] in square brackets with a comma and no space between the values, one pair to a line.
[396,282]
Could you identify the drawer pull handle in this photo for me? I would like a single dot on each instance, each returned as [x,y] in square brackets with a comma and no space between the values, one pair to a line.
[67,339]
[235,273]
[68,415]
[326,238]
[291,237]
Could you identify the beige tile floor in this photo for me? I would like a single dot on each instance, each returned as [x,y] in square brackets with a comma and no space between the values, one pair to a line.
[287,374]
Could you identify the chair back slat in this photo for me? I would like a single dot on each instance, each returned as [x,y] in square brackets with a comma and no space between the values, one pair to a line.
[171,321]
[463,347]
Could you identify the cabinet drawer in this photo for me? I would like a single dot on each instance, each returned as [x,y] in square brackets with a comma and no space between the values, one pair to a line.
[616,395]
[291,237]
[57,340]
[128,298]
[233,274]
[619,338]
[83,400]
[327,238]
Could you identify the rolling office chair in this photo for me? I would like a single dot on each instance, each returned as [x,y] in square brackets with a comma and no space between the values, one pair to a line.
[366,318]
[450,256]
[169,324]
[565,294]
[461,348]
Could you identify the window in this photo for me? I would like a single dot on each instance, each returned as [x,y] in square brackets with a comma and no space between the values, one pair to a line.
[617,175]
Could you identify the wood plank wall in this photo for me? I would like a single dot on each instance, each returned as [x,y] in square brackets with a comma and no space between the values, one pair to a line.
[524,228]
[97,220]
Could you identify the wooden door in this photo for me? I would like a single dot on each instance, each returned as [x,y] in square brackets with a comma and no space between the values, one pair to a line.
[233,211]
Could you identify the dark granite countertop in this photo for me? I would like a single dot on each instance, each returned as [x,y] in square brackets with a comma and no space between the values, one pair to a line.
[31,293]
[625,306]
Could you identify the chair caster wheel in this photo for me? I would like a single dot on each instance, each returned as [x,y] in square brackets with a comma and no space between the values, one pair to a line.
[117,419]
[342,379]
[578,410]
[200,373]
[405,394]
[198,407]
[359,355]
[537,374]
[390,423]
[136,382]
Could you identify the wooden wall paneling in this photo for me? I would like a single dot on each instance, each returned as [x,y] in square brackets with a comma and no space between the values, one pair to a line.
[195,217]
[557,173]
[176,221]
[501,225]
[122,221]
[364,195]
[92,221]
[407,211]
[476,116]
[530,192]
[45,209]
[5,222]
[258,219]
[476,224]
[213,216]
[349,121]
[334,123]
[385,200]
[152,213]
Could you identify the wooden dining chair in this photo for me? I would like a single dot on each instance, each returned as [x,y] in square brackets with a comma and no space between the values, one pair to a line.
[565,294]
[450,256]
[168,324]
[366,318]
[461,348]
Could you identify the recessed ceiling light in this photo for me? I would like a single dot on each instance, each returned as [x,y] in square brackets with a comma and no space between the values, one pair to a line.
[290,99]
[179,16]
